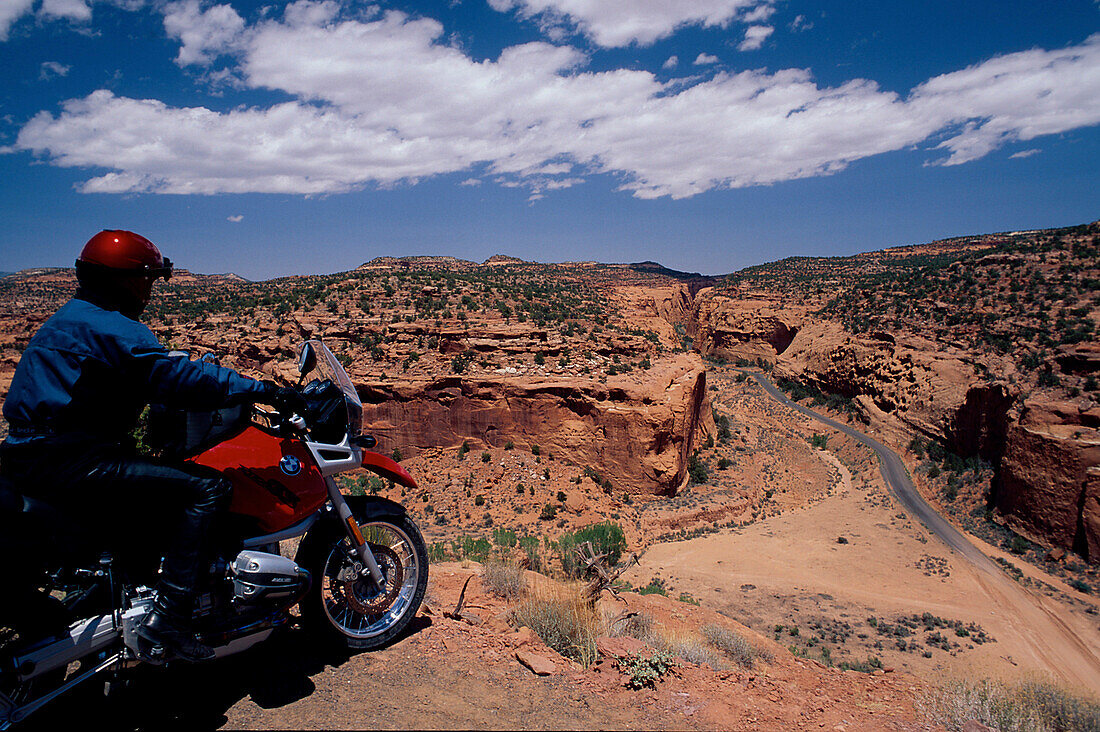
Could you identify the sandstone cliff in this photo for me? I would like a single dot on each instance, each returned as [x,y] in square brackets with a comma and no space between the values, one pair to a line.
[742,327]
[1046,453]
[637,430]
[1049,481]
[907,385]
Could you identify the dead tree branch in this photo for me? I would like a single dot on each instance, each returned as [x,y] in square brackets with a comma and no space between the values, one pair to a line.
[600,578]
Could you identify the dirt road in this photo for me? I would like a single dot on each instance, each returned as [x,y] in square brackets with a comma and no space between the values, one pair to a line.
[1039,622]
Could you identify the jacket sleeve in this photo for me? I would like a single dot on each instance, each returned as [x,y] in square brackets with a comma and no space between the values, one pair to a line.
[175,380]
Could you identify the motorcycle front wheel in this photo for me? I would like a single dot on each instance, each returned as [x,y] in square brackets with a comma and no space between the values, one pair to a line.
[347,607]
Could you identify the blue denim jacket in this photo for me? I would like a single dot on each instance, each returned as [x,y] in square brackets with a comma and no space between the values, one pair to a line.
[88,372]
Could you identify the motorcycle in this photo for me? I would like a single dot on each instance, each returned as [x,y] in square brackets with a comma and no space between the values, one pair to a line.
[358,576]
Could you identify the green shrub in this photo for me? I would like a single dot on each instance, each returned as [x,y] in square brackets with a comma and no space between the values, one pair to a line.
[437,552]
[697,470]
[505,538]
[656,586]
[607,538]
[642,671]
[476,549]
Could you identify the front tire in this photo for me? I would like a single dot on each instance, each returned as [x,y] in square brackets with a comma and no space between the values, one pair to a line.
[346,608]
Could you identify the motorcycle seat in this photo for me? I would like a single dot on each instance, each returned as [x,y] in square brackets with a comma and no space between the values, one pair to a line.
[28,523]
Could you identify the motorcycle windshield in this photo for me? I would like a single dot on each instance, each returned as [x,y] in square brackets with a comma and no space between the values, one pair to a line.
[328,367]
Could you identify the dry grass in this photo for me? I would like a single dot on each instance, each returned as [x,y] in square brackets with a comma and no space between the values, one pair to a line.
[732,645]
[1034,705]
[504,580]
[562,620]
[640,625]
[705,649]
[692,648]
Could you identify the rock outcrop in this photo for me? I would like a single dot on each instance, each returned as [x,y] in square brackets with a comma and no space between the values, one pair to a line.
[1047,454]
[637,429]
[741,328]
[906,385]
[1049,483]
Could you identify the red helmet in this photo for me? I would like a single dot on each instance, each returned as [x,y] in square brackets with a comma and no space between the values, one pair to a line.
[124,253]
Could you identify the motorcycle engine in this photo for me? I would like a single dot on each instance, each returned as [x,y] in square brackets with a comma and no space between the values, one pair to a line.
[259,577]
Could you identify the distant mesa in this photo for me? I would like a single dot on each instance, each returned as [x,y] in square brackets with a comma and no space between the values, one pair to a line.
[504,259]
[419,262]
[658,268]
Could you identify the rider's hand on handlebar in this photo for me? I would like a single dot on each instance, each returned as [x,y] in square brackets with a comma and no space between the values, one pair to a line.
[288,401]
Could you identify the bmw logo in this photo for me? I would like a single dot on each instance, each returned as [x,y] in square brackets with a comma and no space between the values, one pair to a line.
[290,465]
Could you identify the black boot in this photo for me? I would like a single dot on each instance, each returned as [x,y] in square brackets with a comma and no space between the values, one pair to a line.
[168,628]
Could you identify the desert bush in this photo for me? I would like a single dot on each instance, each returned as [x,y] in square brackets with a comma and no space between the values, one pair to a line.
[473,548]
[697,470]
[644,671]
[437,552]
[504,580]
[530,547]
[732,645]
[563,621]
[505,538]
[1032,705]
[607,538]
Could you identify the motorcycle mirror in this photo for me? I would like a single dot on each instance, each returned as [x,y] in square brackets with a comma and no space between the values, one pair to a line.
[307,359]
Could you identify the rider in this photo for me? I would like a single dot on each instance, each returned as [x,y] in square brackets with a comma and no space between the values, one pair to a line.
[77,395]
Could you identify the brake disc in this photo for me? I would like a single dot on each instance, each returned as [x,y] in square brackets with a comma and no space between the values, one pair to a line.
[363,597]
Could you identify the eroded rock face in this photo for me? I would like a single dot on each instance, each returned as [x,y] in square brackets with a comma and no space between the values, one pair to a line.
[906,385]
[1049,481]
[635,429]
[1047,453]
[742,328]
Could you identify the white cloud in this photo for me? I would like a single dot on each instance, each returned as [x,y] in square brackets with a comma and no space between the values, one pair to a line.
[755,35]
[671,63]
[383,100]
[1025,153]
[50,69]
[71,9]
[800,24]
[236,218]
[704,59]
[205,32]
[1019,96]
[75,11]
[621,23]
[11,11]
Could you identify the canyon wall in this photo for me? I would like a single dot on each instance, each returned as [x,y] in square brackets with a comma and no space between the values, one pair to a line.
[1049,478]
[1046,455]
[734,328]
[636,430]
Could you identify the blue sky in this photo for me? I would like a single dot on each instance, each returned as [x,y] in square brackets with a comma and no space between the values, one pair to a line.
[708,135]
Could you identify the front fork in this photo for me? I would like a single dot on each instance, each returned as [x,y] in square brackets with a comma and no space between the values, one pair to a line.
[358,543]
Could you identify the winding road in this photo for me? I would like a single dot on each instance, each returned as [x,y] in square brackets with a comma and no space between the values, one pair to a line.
[1039,620]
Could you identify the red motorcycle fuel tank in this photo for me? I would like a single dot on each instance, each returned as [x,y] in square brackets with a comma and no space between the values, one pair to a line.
[275,479]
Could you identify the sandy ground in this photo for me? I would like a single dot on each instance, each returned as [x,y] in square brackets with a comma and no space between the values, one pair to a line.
[827,568]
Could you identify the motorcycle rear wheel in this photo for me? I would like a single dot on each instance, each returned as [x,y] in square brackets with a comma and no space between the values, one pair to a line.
[346,607]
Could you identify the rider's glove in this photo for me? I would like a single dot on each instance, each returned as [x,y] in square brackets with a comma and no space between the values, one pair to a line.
[287,401]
